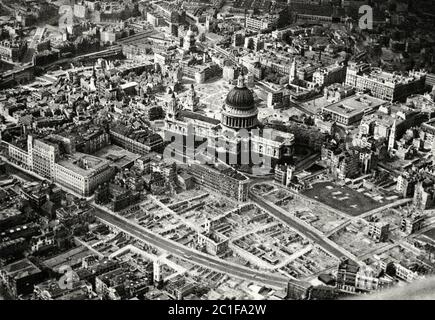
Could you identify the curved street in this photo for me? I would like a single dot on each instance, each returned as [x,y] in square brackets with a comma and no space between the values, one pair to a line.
[194,256]
[314,236]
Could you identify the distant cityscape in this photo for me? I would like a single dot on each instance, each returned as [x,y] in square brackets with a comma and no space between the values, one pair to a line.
[216,150]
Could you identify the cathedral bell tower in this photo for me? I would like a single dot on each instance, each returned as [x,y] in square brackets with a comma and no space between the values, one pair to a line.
[392,137]
[172,110]
[189,41]
[192,99]
[293,72]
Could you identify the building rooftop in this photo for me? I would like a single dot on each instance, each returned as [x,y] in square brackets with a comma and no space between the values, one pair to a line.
[128,85]
[20,269]
[10,243]
[71,256]
[9,213]
[230,172]
[142,135]
[117,155]
[198,117]
[354,105]
[391,78]
[84,164]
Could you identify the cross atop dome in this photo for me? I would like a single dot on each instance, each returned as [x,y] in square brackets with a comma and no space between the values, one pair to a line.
[241,80]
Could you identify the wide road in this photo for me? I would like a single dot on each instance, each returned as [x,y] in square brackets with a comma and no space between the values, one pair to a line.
[300,227]
[196,257]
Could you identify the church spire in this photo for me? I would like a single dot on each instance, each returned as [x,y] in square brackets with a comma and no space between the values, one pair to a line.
[293,72]
[172,107]
[192,100]
[392,137]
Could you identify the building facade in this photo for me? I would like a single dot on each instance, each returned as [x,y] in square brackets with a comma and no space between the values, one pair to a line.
[221,178]
[384,85]
[83,175]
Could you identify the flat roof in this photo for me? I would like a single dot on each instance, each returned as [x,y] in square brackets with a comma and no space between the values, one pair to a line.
[83,164]
[354,105]
[75,254]
[21,269]
[117,155]
[228,171]
[391,78]
[128,85]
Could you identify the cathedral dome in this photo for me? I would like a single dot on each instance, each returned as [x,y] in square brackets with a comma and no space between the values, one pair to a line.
[240,97]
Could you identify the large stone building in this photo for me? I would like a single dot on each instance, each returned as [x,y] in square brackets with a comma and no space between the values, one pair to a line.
[42,156]
[351,110]
[54,158]
[221,178]
[259,23]
[237,138]
[332,74]
[384,85]
[83,173]
[11,51]
[140,141]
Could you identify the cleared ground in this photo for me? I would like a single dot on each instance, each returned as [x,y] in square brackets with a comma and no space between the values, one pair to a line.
[342,198]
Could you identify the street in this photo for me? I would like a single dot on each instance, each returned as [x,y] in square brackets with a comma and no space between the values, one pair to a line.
[208,261]
[321,241]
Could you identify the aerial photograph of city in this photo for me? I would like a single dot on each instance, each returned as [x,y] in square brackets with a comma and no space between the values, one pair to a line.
[198,150]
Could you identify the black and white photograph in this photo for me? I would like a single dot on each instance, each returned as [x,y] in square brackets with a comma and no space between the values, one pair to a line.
[223,157]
